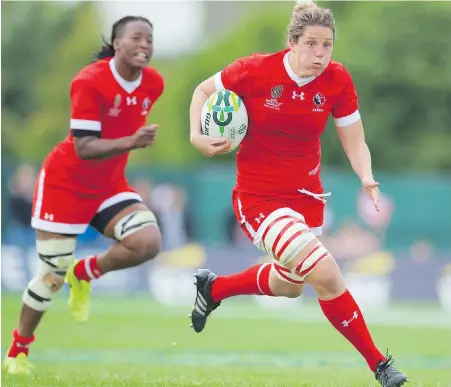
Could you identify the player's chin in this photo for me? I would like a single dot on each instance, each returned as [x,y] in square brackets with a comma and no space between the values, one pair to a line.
[317,70]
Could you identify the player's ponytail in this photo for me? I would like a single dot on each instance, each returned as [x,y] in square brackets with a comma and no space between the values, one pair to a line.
[107,50]
[306,13]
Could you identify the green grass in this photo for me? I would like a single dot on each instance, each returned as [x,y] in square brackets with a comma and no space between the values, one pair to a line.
[137,342]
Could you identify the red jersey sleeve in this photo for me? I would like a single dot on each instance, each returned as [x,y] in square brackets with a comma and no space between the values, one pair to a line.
[86,110]
[346,110]
[234,77]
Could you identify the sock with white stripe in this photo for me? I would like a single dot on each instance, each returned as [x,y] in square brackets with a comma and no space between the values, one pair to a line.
[20,344]
[87,269]
[254,280]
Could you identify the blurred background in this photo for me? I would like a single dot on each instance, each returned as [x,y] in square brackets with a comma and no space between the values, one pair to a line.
[400,57]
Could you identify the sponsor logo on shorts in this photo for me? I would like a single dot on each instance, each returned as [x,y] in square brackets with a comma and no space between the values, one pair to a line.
[260,218]
[48,217]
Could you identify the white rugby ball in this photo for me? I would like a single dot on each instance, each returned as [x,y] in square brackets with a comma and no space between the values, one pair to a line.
[224,115]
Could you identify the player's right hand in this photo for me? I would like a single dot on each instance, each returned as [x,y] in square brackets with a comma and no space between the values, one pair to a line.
[210,146]
[145,136]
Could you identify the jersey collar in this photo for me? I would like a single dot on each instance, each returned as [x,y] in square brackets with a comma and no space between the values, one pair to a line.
[128,86]
[299,81]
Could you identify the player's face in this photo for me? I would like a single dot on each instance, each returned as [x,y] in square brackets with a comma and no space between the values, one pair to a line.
[313,50]
[135,44]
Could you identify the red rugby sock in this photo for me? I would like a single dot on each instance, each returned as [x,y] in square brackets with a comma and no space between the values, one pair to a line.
[87,269]
[254,280]
[345,315]
[20,344]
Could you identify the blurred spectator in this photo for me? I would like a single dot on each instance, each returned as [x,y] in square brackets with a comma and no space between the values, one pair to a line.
[235,234]
[169,204]
[351,241]
[418,267]
[144,189]
[422,251]
[21,187]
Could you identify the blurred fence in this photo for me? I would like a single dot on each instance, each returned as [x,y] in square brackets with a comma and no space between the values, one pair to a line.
[404,252]
[415,207]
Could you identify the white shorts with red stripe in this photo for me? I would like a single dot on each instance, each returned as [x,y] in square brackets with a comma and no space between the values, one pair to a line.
[281,231]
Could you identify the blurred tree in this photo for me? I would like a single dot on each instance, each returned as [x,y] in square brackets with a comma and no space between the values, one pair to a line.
[399,55]
[30,31]
[58,39]
[49,123]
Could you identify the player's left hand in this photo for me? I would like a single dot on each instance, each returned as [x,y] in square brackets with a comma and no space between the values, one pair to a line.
[144,136]
[371,188]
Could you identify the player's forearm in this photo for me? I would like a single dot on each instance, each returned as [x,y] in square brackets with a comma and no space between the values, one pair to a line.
[360,158]
[89,148]
[195,111]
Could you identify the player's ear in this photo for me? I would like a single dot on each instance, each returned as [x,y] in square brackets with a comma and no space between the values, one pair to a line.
[291,45]
[116,44]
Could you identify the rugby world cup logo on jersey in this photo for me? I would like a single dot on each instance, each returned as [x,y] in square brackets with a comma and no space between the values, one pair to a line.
[273,103]
[114,111]
[221,107]
[319,100]
[276,92]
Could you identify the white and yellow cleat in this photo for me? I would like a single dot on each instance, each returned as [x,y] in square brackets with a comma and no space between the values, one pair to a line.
[18,365]
[80,290]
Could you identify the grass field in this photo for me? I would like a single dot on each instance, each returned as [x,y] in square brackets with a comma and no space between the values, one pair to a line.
[137,342]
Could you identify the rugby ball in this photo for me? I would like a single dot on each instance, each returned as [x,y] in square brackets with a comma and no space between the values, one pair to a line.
[224,115]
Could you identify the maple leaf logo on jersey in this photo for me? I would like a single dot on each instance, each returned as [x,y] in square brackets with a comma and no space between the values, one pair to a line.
[319,100]
[276,91]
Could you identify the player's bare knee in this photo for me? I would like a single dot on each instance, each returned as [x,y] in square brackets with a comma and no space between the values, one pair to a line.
[144,245]
[138,231]
[287,290]
[56,255]
[281,288]
[327,279]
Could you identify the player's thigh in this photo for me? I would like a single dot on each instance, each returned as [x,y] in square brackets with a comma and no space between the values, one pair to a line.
[295,239]
[125,218]
[285,231]
[58,215]
[59,211]
[255,216]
